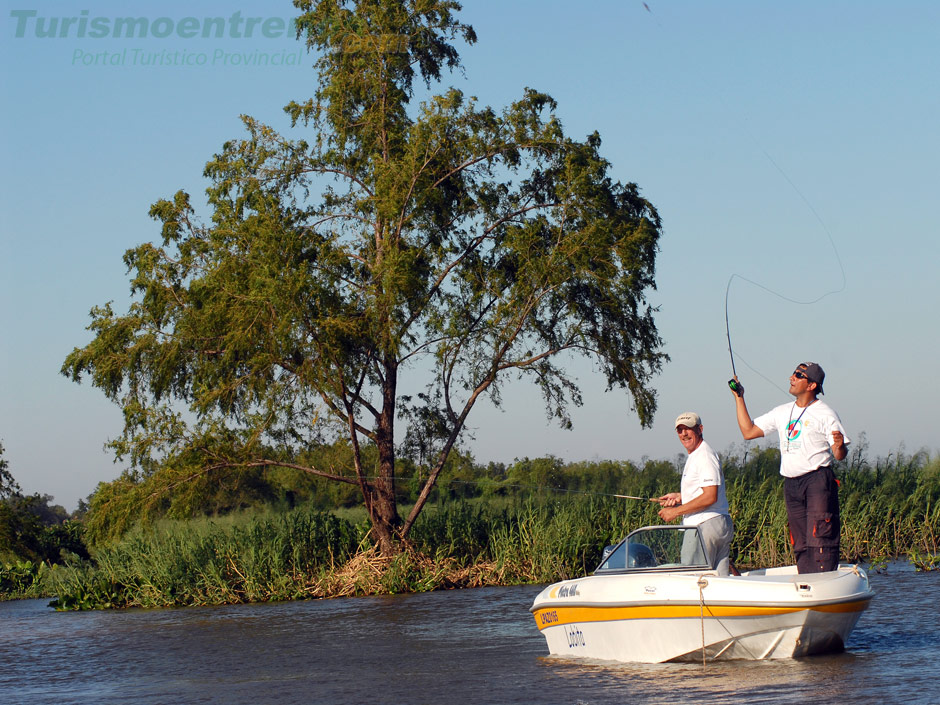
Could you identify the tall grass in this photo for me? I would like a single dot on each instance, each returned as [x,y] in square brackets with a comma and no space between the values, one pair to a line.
[892,509]
[242,558]
[761,536]
[888,510]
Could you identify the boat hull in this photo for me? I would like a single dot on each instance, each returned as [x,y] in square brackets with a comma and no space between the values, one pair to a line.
[680,616]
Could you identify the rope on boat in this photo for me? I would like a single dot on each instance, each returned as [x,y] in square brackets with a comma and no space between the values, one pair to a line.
[702,584]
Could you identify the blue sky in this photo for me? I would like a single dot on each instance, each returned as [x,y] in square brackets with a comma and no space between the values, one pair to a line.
[781,142]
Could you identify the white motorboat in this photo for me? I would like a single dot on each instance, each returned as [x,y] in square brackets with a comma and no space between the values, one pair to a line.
[654,598]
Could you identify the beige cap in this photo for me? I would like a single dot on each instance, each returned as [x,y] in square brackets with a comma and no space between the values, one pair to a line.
[689,418]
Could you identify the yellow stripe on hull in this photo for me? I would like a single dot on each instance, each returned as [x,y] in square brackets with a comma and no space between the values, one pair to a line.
[555,616]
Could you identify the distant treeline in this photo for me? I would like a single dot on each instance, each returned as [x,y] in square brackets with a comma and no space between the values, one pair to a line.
[258,536]
[33,532]
[180,491]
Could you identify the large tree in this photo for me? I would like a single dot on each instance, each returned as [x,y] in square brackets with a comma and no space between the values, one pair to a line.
[464,245]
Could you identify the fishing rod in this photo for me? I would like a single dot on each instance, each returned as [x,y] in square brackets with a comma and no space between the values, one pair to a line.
[733,383]
[539,487]
[558,489]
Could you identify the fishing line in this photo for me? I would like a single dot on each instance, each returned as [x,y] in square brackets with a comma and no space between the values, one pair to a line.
[832,244]
[770,291]
[734,276]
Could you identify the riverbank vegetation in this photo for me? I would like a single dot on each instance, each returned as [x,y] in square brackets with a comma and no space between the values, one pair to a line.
[34,535]
[535,521]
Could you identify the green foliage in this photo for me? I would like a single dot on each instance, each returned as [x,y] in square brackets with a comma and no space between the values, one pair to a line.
[486,241]
[549,476]
[253,558]
[34,535]
[130,500]
[24,537]
[510,533]
[22,580]
[180,490]
[533,540]
[458,528]
[891,508]
[32,529]
[8,485]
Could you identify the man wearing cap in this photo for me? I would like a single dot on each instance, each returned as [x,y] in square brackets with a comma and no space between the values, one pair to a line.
[701,501]
[811,436]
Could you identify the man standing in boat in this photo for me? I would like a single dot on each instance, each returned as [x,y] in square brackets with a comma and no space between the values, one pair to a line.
[811,436]
[701,501]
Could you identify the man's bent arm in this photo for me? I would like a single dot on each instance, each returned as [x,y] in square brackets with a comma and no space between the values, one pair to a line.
[838,447]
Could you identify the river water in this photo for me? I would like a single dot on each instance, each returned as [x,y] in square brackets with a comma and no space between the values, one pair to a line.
[464,646]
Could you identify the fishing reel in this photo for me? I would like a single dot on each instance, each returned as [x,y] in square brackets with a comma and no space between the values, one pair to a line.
[736,387]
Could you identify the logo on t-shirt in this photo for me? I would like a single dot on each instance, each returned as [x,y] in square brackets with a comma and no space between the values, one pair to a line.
[794,430]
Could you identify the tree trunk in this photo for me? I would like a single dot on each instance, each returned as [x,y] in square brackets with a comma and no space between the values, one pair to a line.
[385,519]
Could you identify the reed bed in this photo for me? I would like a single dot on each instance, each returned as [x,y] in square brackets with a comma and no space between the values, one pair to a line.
[244,558]
[263,556]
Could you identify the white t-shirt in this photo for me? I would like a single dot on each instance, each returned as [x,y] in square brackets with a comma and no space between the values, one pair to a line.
[702,469]
[805,435]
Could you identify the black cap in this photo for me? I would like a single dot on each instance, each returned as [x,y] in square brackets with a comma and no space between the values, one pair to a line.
[814,373]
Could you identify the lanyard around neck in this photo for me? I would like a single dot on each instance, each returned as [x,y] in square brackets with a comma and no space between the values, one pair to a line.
[791,424]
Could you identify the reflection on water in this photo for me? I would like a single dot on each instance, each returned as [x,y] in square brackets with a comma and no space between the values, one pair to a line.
[724,681]
[469,646]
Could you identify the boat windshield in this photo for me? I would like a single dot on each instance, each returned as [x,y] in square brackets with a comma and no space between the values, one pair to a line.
[656,548]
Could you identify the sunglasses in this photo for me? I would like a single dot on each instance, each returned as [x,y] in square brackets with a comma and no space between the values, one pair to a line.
[799,375]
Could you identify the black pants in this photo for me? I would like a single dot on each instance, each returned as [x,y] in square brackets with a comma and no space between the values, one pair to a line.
[813,513]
